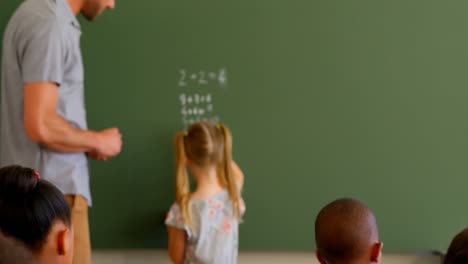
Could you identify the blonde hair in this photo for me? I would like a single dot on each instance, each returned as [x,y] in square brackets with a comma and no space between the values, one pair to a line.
[204,144]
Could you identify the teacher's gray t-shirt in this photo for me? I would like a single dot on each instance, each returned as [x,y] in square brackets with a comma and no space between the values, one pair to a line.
[41,43]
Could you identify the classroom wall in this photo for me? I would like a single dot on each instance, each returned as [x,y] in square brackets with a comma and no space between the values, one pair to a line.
[325,99]
[161,257]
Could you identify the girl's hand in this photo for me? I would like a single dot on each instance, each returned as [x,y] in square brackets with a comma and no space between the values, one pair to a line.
[238,175]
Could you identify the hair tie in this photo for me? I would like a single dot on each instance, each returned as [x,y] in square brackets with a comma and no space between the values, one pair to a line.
[38,176]
[218,126]
[185,133]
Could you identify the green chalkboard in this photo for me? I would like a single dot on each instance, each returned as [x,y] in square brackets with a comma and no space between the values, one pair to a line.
[325,99]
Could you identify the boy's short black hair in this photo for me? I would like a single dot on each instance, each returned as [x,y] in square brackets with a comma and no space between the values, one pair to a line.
[457,252]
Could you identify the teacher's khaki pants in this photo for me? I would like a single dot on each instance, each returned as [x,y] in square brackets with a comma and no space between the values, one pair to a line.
[82,247]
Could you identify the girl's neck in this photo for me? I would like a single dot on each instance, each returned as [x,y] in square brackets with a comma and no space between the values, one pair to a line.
[207,182]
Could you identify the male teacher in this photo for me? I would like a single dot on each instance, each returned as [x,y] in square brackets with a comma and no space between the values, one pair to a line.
[43,118]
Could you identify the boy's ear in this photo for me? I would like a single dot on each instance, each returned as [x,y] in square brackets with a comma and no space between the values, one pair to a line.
[319,257]
[376,253]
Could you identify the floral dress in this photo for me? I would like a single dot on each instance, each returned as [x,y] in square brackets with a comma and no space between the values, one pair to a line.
[214,236]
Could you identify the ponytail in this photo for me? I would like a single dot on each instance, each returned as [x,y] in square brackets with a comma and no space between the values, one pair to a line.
[228,174]
[182,179]
[29,206]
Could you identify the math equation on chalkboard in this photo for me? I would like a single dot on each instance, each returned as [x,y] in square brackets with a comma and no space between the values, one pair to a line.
[194,78]
[196,100]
